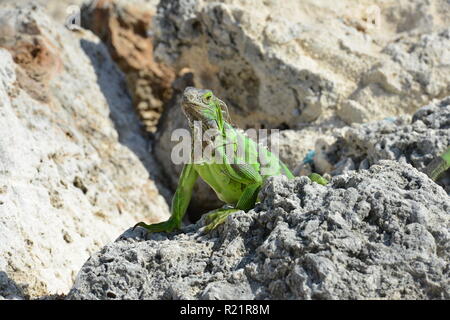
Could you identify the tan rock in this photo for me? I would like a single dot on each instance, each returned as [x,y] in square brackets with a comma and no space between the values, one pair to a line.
[126,28]
[285,63]
[74,165]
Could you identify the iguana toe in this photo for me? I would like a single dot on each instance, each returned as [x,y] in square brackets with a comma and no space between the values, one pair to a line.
[217,217]
[318,179]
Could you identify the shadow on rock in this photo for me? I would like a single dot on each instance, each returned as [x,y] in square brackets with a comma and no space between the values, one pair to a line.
[9,289]
[122,113]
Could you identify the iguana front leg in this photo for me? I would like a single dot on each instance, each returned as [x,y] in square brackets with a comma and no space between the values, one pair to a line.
[245,174]
[180,202]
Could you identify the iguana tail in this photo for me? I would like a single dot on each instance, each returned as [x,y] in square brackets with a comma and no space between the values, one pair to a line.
[438,166]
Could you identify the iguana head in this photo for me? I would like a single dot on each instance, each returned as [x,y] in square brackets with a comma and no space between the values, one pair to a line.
[202,105]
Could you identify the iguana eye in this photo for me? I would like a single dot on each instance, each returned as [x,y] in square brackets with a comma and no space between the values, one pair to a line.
[207,97]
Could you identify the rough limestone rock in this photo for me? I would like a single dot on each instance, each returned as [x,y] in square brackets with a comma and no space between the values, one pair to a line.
[283,63]
[416,141]
[377,233]
[74,165]
[62,11]
[415,70]
[126,28]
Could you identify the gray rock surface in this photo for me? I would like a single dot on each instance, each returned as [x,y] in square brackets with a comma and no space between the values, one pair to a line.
[376,233]
[416,141]
[74,164]
[62,11]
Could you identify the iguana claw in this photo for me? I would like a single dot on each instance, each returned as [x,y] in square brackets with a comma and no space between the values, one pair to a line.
[217,217]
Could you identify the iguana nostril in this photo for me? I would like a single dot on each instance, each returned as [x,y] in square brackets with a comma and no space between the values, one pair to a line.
[189,94]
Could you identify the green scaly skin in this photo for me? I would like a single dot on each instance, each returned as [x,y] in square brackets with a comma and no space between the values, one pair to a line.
[236,180]
[439,165]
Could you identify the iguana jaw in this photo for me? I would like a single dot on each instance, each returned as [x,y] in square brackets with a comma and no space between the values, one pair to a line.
[202,106]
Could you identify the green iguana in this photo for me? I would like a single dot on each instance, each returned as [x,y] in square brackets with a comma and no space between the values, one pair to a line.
[235,179]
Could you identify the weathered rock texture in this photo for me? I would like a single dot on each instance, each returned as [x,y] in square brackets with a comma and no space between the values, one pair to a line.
[377,233]
[62,11]
[416,141]
[126,29]
[74,165]
[410,73]
[282,64]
